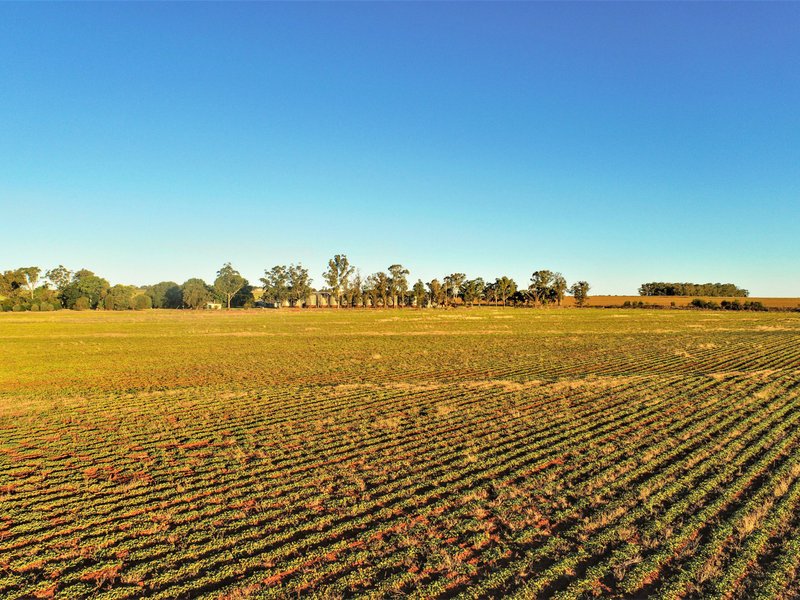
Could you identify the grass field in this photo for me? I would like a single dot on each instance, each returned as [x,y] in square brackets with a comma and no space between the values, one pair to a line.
[436,454]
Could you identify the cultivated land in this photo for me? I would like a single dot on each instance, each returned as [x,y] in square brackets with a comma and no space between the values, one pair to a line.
[463,453]
[681,301]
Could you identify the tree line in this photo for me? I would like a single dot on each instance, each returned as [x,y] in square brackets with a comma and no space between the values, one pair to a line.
[29,288]
[660,288]
[753,305]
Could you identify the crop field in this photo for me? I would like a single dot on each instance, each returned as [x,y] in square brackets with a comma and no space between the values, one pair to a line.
[467,453]
[681,301]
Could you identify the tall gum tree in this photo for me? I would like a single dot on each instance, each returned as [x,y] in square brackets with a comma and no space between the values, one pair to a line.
[228,282]
[299,284]
[275,284]
[398,283]
[506,287]
[338,276]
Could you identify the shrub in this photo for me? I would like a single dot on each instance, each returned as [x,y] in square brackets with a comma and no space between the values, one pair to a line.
[82,303]
[34,307]
[46,306]
[706,304]
[636,304]
[18,308]
[755,305]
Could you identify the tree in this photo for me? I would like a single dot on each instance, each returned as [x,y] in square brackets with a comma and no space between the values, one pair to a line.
[520,297]
[59,276]
[371,290]
[472,290]
[166,294]
[660,288]
[30,277]
[228,282]
[540,287]
[398,284]
[299,284]
[419,293]
[379,288]
[44,295]
[337,276]
[173,297]
[11,283]
[119,297]
[353,291]
[558,288]
[195,293]
[580,290]
[384,283]
[506,287]
[275,284]
[244,297]
[142,302]
[490,292]
[436,292]
[85,284]
[452,285]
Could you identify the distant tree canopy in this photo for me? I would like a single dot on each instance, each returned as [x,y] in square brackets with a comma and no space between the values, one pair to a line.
[20,289]
[24,289]
[659,288]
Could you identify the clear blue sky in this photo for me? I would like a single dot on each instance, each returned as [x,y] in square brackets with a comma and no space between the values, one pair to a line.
[617,143]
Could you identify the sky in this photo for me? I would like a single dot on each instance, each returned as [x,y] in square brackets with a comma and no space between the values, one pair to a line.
[617,143]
